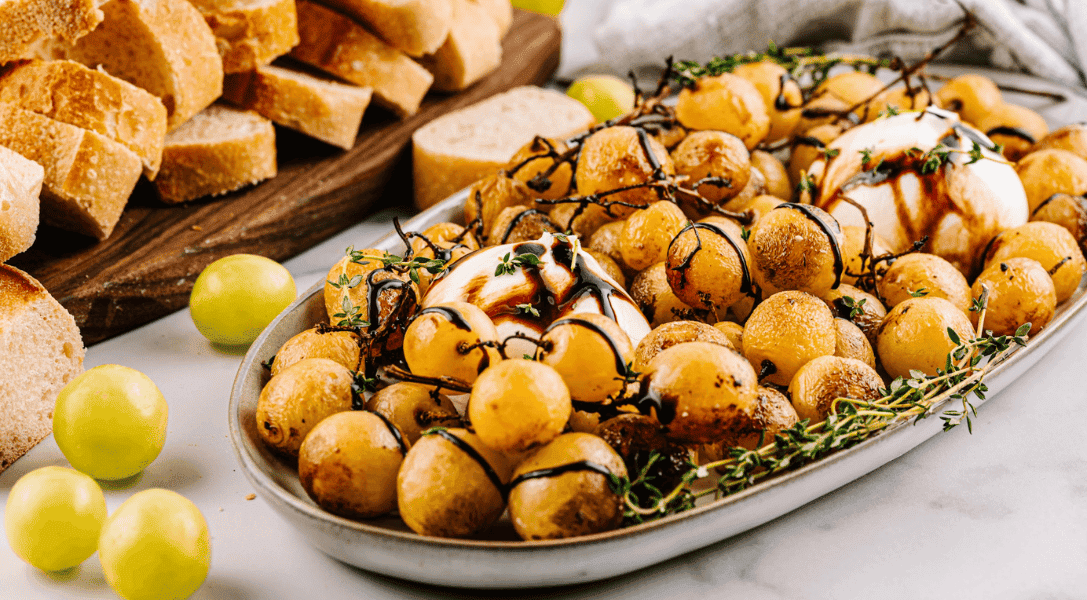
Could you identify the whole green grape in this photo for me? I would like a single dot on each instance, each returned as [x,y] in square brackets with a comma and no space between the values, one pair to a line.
[110,422]
[237,296]
[605,96]
[53,517]
[155,546]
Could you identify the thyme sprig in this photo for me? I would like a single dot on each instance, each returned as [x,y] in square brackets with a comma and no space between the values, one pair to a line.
[850,422]
[508,265]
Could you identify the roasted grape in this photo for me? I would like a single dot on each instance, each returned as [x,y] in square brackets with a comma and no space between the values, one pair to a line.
[581,339]
[455,339]
[825,379]
[718,158]
[1020,291]
[517,405]
[914,336]
[647,234]
[672,334]
[928,275]
[786,331]
[1049,244]
[726,103]
[796,247]
[707,267]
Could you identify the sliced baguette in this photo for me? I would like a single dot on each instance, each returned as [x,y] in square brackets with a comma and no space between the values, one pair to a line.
[472,50]
[314,105]
[456,149]
[162,46]
[250,33]
[40,352]
[335,43]
[415,27]
[219,150]
[88,177]
[71,93]
[20,188]
[26,22]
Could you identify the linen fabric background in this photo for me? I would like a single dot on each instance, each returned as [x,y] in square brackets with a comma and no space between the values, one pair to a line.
[1047,38]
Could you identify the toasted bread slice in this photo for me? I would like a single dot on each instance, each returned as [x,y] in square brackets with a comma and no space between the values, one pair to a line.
[456,149]
[415,27]
[40,352]
[337,44]
[24,23]
[88,177]
[162,46]
[20,188]
[317,106]
[218,151]
[250,33]
[71,93]
[472,50]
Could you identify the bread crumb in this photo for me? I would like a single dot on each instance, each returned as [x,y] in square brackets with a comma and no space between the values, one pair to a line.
[251,497]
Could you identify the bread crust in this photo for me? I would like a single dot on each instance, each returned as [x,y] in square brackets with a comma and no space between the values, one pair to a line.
[40,352]
[318,107]
[25,22]
[250,35]
[88,177]
[415,27]
[162,46]
[69,92]
[472,50]
[335,43]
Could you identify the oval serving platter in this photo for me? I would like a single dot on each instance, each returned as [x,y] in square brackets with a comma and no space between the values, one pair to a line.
[387,547]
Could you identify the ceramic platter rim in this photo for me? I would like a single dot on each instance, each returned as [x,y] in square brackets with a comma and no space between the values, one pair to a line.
[522,564]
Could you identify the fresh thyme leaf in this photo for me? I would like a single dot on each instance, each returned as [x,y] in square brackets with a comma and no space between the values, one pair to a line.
[919,292]
[745,233]
[866,156]
[829,153]
[528,310]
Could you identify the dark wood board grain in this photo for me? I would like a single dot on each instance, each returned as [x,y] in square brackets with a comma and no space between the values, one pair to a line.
[146,269]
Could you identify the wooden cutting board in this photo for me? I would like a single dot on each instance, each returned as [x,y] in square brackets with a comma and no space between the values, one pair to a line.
[146,269]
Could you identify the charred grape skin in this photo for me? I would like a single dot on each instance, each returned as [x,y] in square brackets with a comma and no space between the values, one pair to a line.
[517,405]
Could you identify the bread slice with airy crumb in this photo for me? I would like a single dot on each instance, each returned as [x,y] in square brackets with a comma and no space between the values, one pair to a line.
[20,189]
[458,148]
[250,33]
[162,46]
[219,150]
[317,106]
[24,23]
[472,50]
[88,177]
[338,45]
[40,352]
[415,27]
[72,93]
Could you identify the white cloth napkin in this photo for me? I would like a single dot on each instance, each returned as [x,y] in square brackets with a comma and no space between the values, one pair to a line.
[1045,37]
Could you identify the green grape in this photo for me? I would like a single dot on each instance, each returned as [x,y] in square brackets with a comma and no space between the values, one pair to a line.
[547,7]
[110,422]
[53,517]
[236,297]
[605,96]
[155,546]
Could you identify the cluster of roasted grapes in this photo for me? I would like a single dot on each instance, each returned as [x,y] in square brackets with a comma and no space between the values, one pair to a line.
[763,312]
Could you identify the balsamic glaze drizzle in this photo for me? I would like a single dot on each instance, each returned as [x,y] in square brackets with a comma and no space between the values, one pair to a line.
[393,430]
[832,229]
[1013,132]
[517,220]
[476,456]
[581,465]
[448,312]
[745,282]
[807,140]
[643,139]
[373,307]
[620,366]
[781,103]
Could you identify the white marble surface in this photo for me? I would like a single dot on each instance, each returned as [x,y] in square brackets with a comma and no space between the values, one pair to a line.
[998,514]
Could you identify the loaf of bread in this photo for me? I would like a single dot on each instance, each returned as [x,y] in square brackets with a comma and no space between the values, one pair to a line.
[40,352]
[472,50]
[88,177]
[162,46]
[250,33]
[20,188]
[26,22]
[315,105]
[71,93]
[337,44]
[456,149]
[217,151]
[415,27]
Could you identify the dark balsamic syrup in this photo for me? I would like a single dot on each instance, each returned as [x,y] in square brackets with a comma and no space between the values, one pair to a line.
[745,282]
[620,366]
[452,314]
[476,456]
[1013,132]
[581,465]
[831,228]
[393,430]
